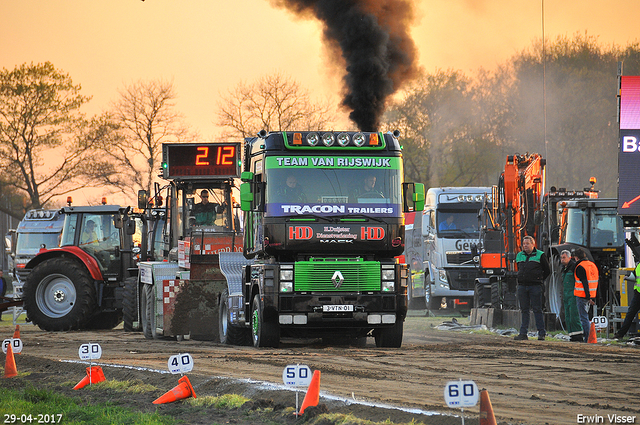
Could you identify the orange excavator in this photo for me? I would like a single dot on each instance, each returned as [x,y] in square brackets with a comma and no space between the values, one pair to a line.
[515,211]
[557,220]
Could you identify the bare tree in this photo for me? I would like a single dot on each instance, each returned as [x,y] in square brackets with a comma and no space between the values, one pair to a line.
[446,143]
[46,145]
[146,116]
[273,103]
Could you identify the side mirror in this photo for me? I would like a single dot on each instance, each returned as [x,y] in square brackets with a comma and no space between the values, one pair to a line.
[131,226]
[143,199]
[246,176]
[8,241]
[246,196]
[418,196]
[413,194]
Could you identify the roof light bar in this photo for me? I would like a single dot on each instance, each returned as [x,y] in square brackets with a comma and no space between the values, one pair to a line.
[328,139]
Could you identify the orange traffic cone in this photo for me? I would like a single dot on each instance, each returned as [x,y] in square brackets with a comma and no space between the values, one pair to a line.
[593,339]
[10,369]
[94,375]
[180,391]
[312,398]
[486,410]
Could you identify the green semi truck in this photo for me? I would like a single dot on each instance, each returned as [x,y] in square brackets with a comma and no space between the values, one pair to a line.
[323,225]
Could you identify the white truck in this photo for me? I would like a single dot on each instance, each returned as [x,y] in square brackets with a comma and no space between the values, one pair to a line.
[438,247]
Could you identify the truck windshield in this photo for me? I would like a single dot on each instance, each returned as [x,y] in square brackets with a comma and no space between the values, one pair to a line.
[576,226]
[292,191]
[29,243]
[457,222]
[606,229]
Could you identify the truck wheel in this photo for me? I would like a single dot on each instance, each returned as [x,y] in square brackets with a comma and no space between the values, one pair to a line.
[429,302]
[390,337]
[417,303]
[59,295]
[230,334]
[264,334]
[130,306]
[478,301]
[495,294]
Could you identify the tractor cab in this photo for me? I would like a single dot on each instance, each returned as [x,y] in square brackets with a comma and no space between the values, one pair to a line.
[104,233]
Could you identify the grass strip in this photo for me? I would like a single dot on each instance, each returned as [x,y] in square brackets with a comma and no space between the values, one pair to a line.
[34,405]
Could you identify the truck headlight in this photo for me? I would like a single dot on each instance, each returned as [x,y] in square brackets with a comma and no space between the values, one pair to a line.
[387,286]
[286,286]
[286,274]
[388,274]
[442,274]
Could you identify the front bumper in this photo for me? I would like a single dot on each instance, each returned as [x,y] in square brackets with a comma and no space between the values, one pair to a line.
[369,310]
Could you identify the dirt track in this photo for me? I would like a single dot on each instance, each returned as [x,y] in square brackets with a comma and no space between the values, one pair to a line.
[531,382]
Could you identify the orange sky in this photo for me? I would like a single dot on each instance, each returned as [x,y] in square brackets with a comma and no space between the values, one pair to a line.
[208,46]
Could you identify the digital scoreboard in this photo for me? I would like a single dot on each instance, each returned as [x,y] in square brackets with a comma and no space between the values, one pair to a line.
[200,160]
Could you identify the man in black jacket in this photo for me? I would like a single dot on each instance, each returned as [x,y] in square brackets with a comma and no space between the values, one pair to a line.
[533,269]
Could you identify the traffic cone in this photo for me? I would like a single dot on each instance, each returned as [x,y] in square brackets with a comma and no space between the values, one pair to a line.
[593,339]
[94,375]
[312,398]
[10,369]
[180,391]
[486,410]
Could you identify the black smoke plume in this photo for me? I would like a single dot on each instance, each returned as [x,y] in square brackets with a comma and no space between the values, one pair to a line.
[372,38]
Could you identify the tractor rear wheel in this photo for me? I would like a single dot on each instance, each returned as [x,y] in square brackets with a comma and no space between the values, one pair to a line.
[147,301]
[130,315]
[59,295]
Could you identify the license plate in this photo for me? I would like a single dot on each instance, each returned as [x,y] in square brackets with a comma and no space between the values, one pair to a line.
[336,308]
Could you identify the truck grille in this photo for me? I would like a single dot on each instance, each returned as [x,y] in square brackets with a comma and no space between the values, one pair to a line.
[459,257]
[315,276]
[23,274]
[462,280]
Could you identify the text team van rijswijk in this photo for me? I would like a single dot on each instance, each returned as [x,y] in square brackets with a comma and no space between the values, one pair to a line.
[335,162]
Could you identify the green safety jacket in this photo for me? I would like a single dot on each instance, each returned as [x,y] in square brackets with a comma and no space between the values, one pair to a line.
[533,268]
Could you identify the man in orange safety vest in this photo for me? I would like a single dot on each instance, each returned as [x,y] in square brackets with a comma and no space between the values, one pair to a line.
[586,276]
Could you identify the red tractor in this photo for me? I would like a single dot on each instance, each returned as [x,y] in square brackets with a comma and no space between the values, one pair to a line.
[80,284]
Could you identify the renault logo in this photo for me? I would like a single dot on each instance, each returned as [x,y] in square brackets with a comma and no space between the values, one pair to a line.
[337,279]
